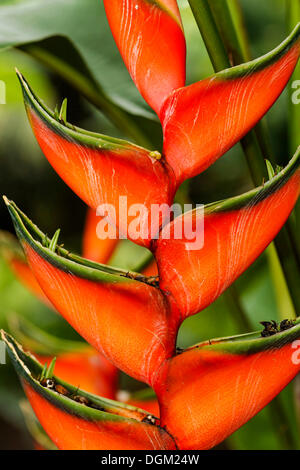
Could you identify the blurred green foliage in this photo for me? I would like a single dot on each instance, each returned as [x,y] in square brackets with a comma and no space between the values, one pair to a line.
[26,176]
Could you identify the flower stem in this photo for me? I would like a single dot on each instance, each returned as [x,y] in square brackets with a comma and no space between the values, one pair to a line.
[284,302]
[209,32]
[240,28]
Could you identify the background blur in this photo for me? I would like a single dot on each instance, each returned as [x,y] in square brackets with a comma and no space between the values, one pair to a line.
[78,28]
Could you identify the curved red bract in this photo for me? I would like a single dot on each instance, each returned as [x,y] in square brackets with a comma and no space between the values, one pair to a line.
[70,432]
[128,322]
[204,120]
[100,176]
[233,239]
[146,33]
[206,395]
[151,406]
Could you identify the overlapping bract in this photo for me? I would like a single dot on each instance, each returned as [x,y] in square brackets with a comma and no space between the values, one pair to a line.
[210,390]
[136,320]
[120,316]
[235,233]
[131,320]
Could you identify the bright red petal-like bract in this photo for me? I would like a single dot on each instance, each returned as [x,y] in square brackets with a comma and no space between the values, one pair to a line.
[127,320]
[235,232]
[150,38]
[202,121]
[85,367]
[99,425]
[210,390]
[118,179]
[106,434]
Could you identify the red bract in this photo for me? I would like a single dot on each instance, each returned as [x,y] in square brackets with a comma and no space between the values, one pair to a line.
[202,121]
[93,422]
[208,391]
[235,232]
[100,169]
[76,363]
[150,37]
[212,389]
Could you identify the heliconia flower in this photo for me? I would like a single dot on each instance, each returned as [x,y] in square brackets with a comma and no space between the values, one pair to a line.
[202,121]
[76,362]
[150,38]
[211,389]
[235,232]
[118,313]
[93,247]
[208,391]
[135,323]
[77,420]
